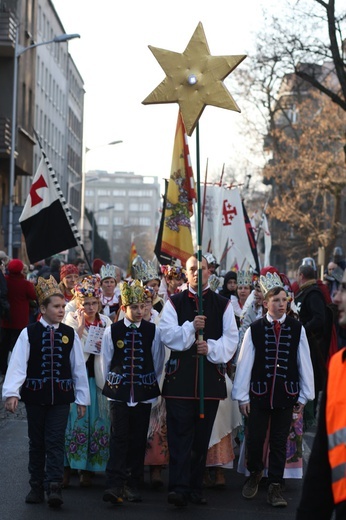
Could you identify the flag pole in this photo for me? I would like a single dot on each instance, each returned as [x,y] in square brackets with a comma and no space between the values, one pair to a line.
[199,265]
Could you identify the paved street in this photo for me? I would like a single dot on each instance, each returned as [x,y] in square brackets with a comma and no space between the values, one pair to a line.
[85,503]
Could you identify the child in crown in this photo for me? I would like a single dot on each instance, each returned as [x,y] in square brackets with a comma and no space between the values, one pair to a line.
[274,376]
[47,372]
[132,358]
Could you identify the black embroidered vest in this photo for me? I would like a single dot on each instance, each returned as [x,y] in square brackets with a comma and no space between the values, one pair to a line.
[275,377]
[182,368]
[132,371]
[49,378]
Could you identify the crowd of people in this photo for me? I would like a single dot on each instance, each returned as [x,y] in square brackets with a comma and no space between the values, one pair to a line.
[118,374]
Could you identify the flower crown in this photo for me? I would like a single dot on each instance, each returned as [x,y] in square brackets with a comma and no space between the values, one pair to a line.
[88,287]
[173,271]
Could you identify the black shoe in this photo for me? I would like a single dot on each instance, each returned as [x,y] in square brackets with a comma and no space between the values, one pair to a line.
[54,495]
[250,487]
[196,497]
[132,494]
[114,495]
[36,493]
[177,499]
[274,497]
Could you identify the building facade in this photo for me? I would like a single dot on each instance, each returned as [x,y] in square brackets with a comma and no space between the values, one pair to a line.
[125,207]
[50,99]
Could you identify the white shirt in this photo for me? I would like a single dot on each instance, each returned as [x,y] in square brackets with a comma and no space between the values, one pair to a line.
[182,337]
[17,368]
[107,351]
[241,385]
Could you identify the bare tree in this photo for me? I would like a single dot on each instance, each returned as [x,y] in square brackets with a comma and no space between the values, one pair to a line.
[296,80]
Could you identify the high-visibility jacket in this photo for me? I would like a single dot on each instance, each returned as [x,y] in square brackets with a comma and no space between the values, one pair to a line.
[336,424]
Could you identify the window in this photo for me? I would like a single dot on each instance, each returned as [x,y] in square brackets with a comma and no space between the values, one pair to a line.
[89,193]
[118,221]
[119,206]
[140,193]
[103,220]
[103,192]
[134,206]
[119,193]
[103,234]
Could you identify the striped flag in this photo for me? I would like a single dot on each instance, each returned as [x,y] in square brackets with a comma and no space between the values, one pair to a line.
[46,221]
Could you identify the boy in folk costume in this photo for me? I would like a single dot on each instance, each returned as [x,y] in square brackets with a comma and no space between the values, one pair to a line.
[47,371]
[274,376]
[132,360]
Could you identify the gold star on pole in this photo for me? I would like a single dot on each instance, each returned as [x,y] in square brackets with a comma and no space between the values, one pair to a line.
[194,79]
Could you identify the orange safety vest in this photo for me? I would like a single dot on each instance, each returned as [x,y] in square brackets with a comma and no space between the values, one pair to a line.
[336,424]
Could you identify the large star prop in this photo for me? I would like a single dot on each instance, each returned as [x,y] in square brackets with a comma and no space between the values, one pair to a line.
[194,79]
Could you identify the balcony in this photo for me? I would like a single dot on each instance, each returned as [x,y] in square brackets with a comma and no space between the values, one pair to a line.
[7,34]
[5,137]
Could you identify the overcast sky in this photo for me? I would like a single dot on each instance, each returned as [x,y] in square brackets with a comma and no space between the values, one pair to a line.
[119,71]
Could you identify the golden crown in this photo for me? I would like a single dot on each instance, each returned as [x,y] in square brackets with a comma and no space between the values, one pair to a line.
[269,281]
[132,293]
[145,272]
[47,288]
[108,271]
[244,277]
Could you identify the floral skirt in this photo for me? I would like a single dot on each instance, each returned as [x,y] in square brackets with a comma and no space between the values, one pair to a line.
[87,439]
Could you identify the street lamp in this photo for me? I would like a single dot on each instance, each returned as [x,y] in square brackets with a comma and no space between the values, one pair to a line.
[93,229]
[18,51]
[82,212]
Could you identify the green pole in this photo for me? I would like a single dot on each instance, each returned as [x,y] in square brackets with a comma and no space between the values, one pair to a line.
[199,265]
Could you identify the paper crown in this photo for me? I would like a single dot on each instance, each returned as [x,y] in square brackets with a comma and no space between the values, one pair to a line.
[145,272]
[244,277]
[132,293]
[47,288]
[173,271]
[88,287]
[269,281]
[108,271]
[214,282]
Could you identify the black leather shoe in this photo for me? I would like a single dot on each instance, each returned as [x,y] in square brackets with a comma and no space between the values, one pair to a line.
[177,499]
[113,495]
[197,497]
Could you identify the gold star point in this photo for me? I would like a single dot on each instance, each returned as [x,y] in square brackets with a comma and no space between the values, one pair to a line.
[194,79]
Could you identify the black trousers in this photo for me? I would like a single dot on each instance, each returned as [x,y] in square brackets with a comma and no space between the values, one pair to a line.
[46,431]
[279,422]
[188,439]
[128,441]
